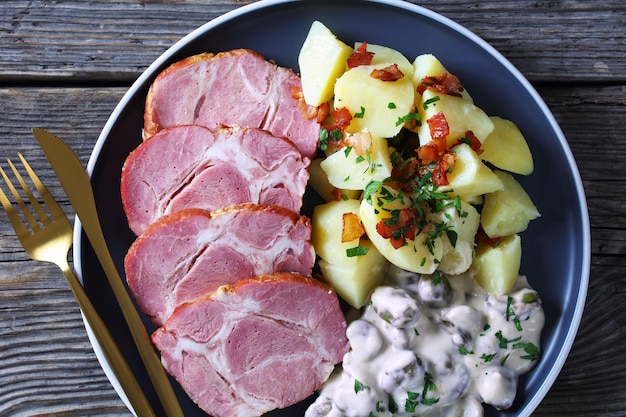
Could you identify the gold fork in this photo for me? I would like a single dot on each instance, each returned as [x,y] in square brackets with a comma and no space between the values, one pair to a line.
[48,237]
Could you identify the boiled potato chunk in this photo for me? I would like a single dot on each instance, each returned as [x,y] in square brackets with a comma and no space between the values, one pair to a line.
[456,259]
[355,283]
[327,224]
[415,256]
[470,177]
[427,65]
[461,115]
[497,268]
[384,56]
[319,182]
[322,60]
[376,106]
[348,170]
[506,148]
[509,210]
[463,219]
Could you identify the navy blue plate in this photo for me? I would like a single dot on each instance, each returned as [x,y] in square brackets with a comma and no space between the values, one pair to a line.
[556,247]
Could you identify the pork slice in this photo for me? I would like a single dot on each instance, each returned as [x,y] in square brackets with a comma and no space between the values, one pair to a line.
[191,253]
[259,344]
[194,167]
[238,87]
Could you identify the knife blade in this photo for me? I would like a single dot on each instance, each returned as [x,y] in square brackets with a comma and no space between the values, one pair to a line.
[77,185]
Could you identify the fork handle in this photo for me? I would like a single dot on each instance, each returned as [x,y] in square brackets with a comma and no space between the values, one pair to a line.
[116,360]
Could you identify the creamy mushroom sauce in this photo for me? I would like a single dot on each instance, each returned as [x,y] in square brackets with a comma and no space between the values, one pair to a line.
[434,346]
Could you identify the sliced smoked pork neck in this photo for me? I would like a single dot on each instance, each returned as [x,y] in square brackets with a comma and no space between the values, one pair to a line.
[262,343]
[233,88]
[189,254]
[192,166]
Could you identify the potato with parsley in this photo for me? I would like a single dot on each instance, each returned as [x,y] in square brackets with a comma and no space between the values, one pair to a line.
[349,262]
[366,158]
[376,106]
[496,267]
[322,60]
[462,220]
[506,148]
[469,177]
[459,115]
[509,210]
[387,210]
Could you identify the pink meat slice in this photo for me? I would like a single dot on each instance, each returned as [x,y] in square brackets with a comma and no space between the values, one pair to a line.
[188,254]
[260,344]
[194,167]
[238,87]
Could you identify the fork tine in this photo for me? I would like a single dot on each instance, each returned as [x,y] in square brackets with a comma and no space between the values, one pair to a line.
[18,226]
[51,204]
[27,214]
[31,197]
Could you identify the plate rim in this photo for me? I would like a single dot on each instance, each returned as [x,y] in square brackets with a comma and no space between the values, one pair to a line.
[583,210]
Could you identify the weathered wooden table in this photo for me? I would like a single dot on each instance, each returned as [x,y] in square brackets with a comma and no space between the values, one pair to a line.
[65,64]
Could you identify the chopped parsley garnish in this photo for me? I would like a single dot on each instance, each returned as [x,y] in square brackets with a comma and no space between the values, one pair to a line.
[463,350]
[430,101]
[412,401]
[487,358]
[409,117]
[393,406]
[360,114]
[391,105]
[356,251]
[358,386]
[532,351]
[509,308]
[503,342]
[429,385]
[325,137]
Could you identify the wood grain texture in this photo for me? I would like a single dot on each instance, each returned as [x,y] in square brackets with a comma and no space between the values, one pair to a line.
[77,58]
[48,41]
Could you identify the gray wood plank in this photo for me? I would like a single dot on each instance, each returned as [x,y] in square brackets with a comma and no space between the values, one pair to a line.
[114,41]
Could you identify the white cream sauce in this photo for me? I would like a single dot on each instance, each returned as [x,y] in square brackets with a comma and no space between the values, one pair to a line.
[434,346]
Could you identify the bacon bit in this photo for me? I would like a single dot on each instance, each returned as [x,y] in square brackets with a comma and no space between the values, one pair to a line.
[438,165]
[440,174]
[323,111]
[352,227]
[341,120]
[439,130]
[308,112]
[484,239]
[428,153]
[403,174]
[337,194]
[398,229]
[445,84]
[297,93]
[360,57]
[389,73]
[472,141]
[360,142]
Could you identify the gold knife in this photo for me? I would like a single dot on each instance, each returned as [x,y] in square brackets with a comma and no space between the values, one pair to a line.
[75,181]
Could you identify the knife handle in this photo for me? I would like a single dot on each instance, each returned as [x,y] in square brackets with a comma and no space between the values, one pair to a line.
[150,359]
[111,351]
